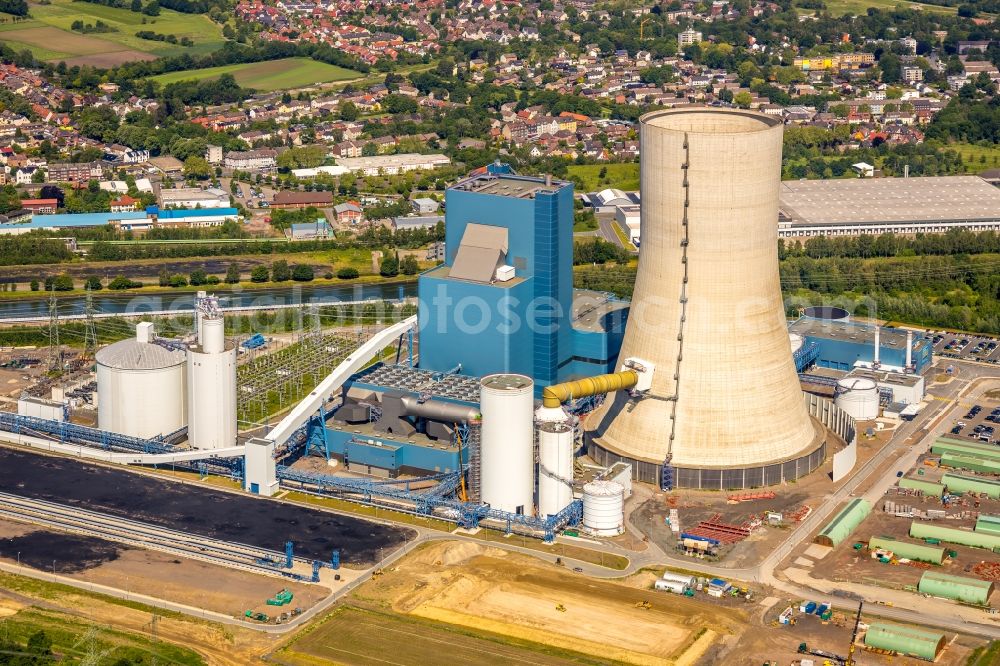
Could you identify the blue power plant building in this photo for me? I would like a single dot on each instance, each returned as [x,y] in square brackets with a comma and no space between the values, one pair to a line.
[503,301]
[834,340]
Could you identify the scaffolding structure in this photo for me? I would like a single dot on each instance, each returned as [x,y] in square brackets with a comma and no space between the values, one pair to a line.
[436,501]
[65,432]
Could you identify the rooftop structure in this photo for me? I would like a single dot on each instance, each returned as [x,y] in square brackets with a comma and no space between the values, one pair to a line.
[845,522]
[73,220]
[908,549]
[905,640]
[193,197]
[969,590]
[392,164]
[875,205]
[959,484]
[435,384]
[844,343]
[311,230]
[293,199]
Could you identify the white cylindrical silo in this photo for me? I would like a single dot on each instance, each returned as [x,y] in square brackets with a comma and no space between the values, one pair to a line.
[858,396]
[507,442]
[141,387]
[555,467]
[212,388]
[604,508]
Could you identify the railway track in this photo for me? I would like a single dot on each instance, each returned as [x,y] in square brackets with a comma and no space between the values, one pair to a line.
[151,537]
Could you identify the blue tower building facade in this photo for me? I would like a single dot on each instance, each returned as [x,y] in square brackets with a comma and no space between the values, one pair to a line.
[503,300]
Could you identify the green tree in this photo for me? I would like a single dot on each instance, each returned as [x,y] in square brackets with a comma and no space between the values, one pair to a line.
[389,266]
[260,274]
[302,273]
[93,283]
[349,112]
[197,168]
[369,149]
[280,271]
[178,280]
[33,285]
[122,282]
[347,273]
[232,274]
[61,282]
[198,277]
[409,266]
[399,104]
[891,68]
[742,99]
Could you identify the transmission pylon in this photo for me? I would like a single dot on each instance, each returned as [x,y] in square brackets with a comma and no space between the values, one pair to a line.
[55,351]
[89,327]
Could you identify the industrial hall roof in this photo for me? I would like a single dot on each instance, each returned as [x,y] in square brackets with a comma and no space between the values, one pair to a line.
[131,354]
[887,200]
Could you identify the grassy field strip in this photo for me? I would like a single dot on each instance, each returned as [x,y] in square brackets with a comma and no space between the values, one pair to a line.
[977,158]
[860,7]
[361,637]
[618,176]
[270,75]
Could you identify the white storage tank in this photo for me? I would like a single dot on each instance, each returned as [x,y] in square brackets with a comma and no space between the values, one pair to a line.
[858,396]
[555,467]
[212,388]
[507,443]
[141,386]
[604,508]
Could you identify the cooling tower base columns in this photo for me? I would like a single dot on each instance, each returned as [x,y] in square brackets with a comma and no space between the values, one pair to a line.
[719,478]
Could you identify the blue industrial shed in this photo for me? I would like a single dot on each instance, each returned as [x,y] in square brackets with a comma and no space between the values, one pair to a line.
[844,343]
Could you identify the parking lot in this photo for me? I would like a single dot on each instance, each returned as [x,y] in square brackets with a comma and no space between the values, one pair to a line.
[966,347]
[980,423]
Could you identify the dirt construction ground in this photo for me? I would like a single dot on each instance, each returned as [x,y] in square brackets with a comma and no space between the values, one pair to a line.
[488,589]
[694,506]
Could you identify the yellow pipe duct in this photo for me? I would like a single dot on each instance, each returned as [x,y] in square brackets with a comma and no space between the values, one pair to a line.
[557,394]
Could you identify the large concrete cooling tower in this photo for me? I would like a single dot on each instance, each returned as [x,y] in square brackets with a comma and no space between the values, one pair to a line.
[725,408]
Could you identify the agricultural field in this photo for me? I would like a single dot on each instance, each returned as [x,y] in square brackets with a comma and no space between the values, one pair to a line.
[271,75]
[47,34]
[620,176]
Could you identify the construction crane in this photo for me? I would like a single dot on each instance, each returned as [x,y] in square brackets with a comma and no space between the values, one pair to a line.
[854,636]
[642,25]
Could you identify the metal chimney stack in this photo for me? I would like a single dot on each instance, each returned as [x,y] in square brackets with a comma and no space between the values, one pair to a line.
[725,409]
